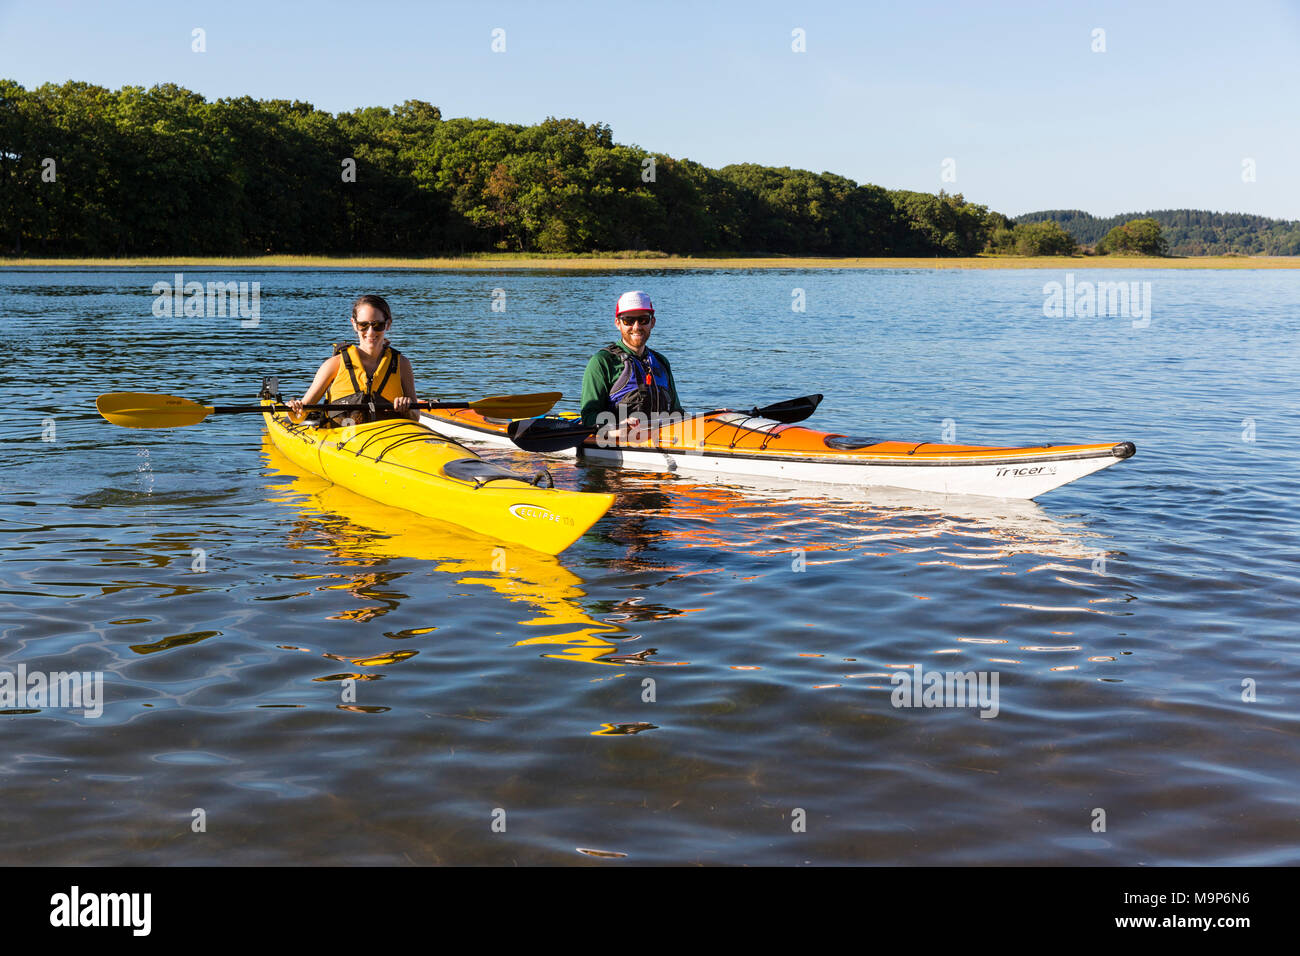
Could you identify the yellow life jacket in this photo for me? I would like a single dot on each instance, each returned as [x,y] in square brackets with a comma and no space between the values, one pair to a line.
[373,394]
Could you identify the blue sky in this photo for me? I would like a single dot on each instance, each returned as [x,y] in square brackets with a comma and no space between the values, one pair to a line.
[1010,91]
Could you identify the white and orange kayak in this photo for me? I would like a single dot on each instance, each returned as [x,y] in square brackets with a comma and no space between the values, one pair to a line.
[738,444]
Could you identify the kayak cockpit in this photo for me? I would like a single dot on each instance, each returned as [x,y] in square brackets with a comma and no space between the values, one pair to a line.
[845,443]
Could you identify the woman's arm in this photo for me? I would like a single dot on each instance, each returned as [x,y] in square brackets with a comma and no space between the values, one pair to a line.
[408,391]
[319,386]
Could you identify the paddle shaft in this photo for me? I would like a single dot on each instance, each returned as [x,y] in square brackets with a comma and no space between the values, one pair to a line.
[334,407]
[546,435]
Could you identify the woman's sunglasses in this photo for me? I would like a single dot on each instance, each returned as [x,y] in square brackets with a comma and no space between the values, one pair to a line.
[363,326]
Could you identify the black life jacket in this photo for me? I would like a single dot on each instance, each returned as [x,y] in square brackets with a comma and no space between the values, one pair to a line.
[642,383]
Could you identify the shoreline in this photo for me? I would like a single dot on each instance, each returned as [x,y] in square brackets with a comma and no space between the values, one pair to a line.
[494,261]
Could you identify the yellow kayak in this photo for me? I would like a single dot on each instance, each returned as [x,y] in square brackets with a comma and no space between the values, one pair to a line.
[402,463]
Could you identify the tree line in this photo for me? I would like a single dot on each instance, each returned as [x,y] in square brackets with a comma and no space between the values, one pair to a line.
[1187,232]
[89,171]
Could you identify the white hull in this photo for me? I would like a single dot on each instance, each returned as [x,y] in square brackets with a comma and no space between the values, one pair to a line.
[1000,477]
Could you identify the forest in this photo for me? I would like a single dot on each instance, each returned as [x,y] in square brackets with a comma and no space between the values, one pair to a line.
[88,171]
[161,171]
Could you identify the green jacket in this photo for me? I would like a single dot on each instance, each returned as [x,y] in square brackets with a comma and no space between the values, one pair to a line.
[602,372]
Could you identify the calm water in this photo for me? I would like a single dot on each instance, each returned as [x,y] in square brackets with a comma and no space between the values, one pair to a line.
[1122,614]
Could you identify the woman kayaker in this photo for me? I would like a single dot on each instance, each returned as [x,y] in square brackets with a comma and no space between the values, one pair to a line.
[370,373]
[628,379]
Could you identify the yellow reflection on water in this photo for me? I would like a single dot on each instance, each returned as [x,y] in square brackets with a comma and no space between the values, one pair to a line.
[362,535]
[619,730]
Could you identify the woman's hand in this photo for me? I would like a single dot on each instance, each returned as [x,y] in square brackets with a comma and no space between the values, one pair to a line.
[405,405]
[296,414]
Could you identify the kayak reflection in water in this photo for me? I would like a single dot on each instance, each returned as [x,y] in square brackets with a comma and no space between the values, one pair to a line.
[627,384]
[370,545]
[372,374]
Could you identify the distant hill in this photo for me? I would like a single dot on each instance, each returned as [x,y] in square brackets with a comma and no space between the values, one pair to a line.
[1190,232]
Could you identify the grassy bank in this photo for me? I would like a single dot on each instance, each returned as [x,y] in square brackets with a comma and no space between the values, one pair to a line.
[499,261]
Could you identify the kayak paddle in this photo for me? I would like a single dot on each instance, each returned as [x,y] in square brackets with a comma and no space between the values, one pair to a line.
[790,411]
[148,410]
[548,434]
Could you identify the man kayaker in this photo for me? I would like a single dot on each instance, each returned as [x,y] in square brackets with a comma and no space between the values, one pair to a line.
[369,374]
[627,383]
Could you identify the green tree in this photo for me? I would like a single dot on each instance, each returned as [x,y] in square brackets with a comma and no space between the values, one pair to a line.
[942,225]
[1142,237]
[1030,239]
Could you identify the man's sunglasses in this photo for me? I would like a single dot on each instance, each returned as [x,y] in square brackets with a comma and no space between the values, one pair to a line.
[638,320]
[371,325]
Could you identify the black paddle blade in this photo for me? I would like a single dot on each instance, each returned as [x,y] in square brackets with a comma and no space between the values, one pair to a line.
[791,410]
[548,434]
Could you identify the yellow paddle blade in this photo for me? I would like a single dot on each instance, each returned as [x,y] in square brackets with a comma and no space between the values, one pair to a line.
[517,406]
[146,410]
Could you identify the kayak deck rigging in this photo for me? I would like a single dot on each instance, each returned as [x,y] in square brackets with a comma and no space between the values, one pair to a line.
[378,434]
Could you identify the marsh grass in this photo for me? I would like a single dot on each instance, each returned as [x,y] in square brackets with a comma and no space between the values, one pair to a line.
[491,261]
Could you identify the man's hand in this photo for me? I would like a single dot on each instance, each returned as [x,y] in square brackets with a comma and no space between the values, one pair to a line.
[633,429]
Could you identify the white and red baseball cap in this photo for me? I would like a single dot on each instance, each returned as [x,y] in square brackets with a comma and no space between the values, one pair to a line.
[633,302]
